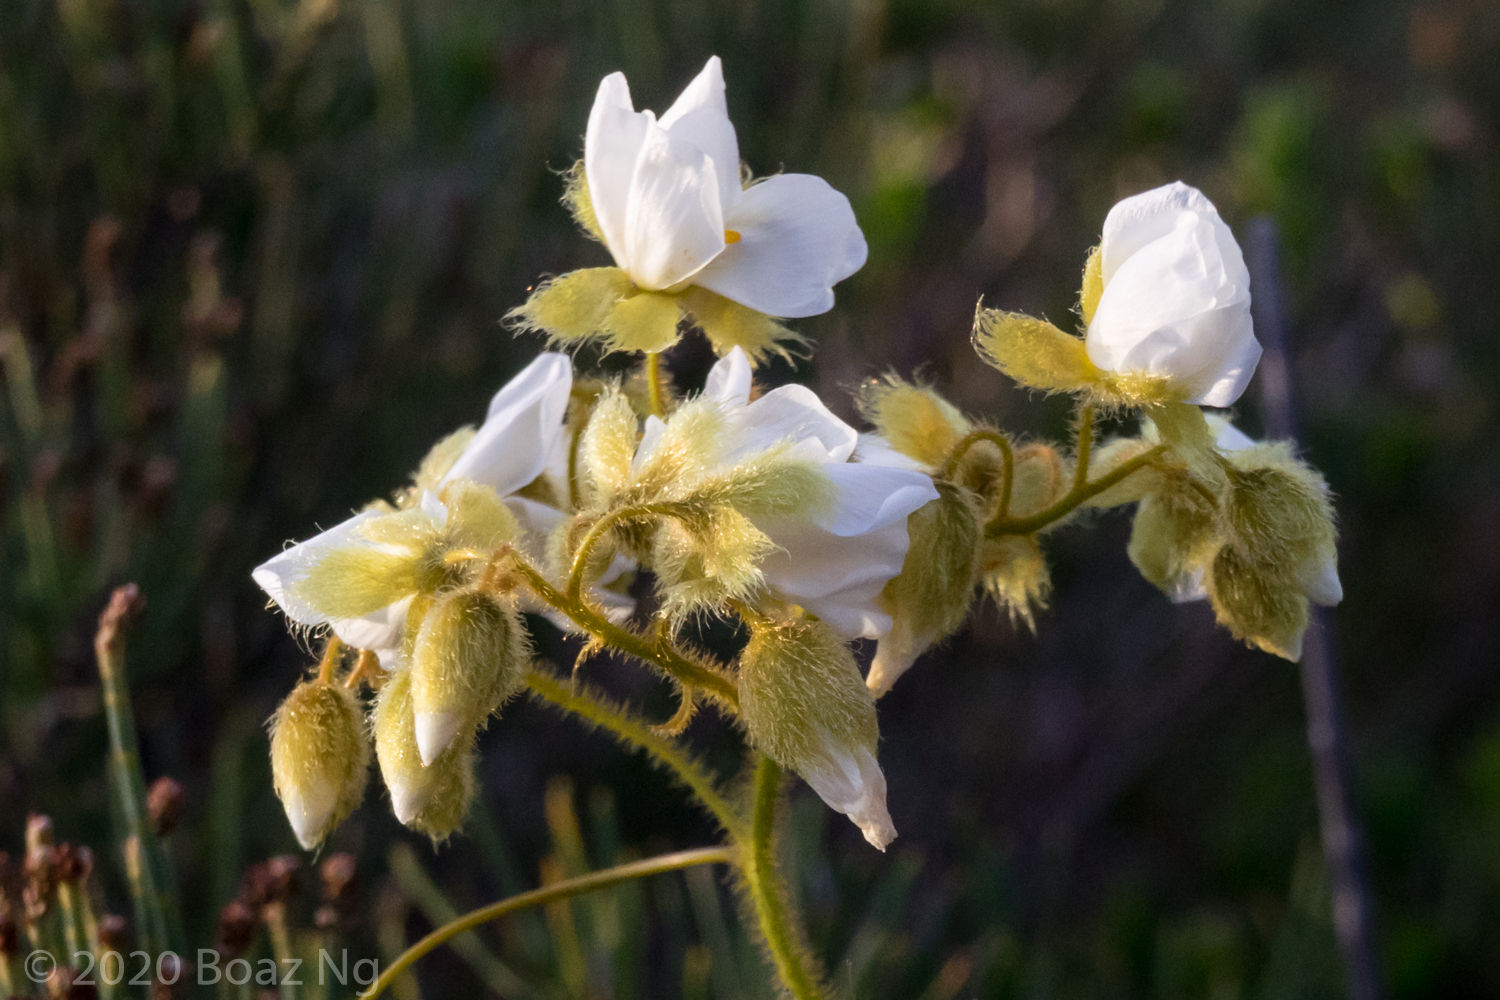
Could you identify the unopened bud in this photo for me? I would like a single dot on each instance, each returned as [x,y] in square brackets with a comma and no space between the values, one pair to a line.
[1016,576]
[931,596]
[319,758]
[807,708]
[470,656]
[166,802]
[916,421]
[433,799]
[1172,540]
[1258,604]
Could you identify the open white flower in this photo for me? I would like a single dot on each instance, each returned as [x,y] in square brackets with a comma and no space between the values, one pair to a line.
[521,438]
[671,209]
[1175,297]
[835,564]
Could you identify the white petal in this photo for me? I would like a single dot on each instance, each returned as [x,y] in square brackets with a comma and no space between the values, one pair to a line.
[1321,582]
[798,238]
[654,428]
[1141,219]
[894,656]
[876,450]
[1237,368]
[279,575]
[1188,587]
[851,782]
[611,147]
[837,564]
[309,809]
[435,732]
[674,224]
[523,429]
[729,379]
[1228,436]
[409,794]
[380,630]
[792,413]
[700,116]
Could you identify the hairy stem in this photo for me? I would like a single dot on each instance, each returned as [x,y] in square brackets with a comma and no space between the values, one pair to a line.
[767,893]
[636,733]
[1085,445]
[598,530]
[1079,494]
[641,647]
[592,882]
[653,385]
[1007,457]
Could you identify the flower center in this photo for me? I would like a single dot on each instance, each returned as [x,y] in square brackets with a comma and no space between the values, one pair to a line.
[731,236]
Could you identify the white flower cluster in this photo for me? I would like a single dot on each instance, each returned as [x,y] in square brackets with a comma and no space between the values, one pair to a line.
[767,505]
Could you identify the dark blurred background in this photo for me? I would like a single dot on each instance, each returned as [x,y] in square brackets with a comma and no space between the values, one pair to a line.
[253,255]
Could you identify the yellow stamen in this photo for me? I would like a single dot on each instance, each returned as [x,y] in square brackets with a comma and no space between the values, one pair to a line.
[731,236]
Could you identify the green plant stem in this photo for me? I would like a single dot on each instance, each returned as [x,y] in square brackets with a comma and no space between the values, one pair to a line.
[653,385]
[766,892]
[1085,445]
[281,945]
[144,861]
[636,733]
[1078,495]
[1007,457]
[624,640]
[592,882]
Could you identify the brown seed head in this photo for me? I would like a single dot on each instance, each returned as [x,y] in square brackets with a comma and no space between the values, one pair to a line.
[166,803]
[236,929]
[114,932]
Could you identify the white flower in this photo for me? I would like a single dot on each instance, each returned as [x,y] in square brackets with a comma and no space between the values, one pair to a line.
[670,206]
[523,436]
[836,564]
[1176,297]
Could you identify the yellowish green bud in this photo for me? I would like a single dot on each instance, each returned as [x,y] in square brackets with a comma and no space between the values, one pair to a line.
[1258,603]
[320,758]
[1172,541]
[931,596]
[607,447]
[436,463]
[1134,487]
[916,421]
[1041,478]
[1033,352]
[469,656]
[806,707]
[432,799]
[728,325]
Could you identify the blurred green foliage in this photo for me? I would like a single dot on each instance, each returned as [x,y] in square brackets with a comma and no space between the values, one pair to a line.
[252,258]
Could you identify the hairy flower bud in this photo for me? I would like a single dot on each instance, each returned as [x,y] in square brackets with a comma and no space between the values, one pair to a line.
[913,419]
[931,596]
[1016,576]
[1171,541]
[319,758]
[806,707]
[469,656]
[432,799]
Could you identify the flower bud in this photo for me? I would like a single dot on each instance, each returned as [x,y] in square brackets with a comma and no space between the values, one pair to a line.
[469,656]
[1171,541]
[806,707]
[165,803]
[432,799]
[931,596]
[319,758]
[1258,604]
[916,421]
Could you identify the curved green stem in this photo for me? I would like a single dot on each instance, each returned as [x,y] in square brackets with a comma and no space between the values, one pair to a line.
[628,642]
[1007,456]
[1077,496]
[766,891]
[592,882]
[598,530]
[601,713]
